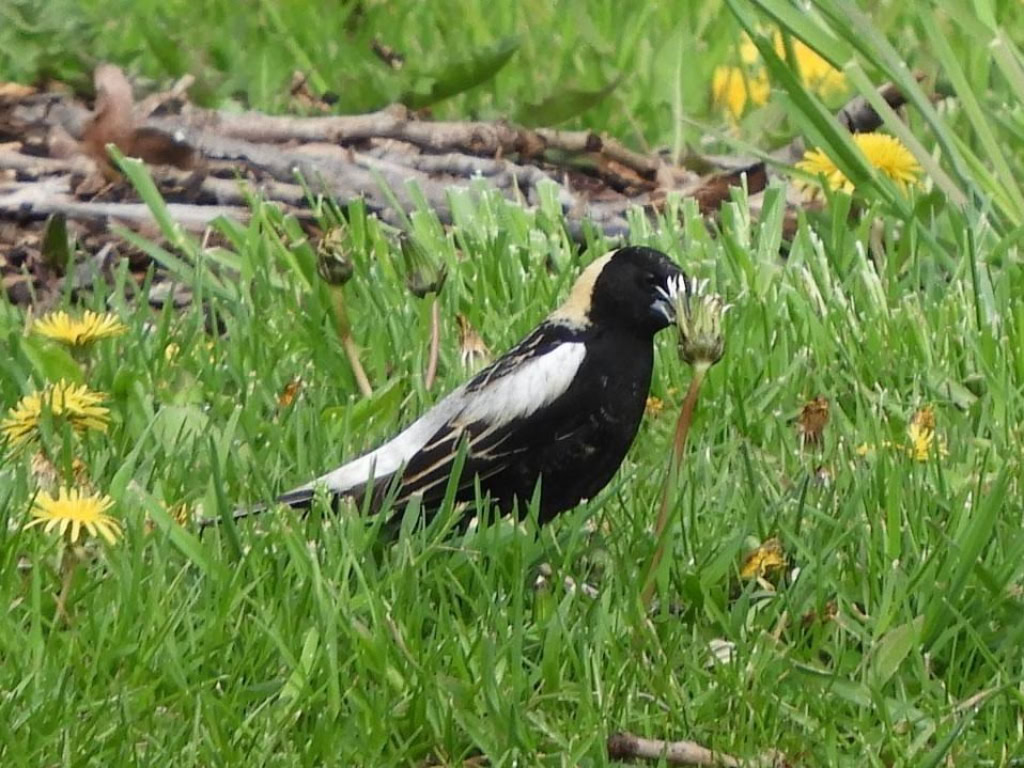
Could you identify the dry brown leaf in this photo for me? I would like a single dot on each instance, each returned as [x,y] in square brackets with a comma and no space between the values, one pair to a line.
[49,478]
[159,148]
[288,394]
[302,96]
[766,559]
[113,119]
[114,123]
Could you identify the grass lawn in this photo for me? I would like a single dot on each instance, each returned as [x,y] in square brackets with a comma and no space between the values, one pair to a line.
[893,636]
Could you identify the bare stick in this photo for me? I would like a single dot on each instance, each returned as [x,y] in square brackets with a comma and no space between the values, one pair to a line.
[586,141]
[40,199]
[435,343]
[627,746]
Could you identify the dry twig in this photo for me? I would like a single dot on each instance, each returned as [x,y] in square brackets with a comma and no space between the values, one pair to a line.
[627,746]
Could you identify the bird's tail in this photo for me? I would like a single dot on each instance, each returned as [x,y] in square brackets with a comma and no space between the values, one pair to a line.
[300,498]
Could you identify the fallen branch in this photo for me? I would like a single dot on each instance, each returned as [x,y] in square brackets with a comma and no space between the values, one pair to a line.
[627,746]
[40,199]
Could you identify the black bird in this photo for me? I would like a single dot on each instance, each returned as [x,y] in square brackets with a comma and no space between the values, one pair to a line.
[561,407]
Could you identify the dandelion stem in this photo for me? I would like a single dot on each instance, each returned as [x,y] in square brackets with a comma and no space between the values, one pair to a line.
[347,342]
[435,343]
[668,489]
[68,564]
[352,353]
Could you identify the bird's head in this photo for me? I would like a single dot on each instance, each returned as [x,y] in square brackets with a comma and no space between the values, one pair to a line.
[625,288]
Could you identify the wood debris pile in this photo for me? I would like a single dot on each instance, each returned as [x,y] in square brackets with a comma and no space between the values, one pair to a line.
[54,162]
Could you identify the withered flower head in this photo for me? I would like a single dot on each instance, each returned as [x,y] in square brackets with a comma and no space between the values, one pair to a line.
[813,420]
[473,352]
[699,319]
[332,258]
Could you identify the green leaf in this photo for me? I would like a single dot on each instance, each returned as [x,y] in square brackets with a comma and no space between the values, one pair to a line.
[967,546]
[56,251]
[360,413]
[299,678]
[463,75]
[564,105]
[177,423]
[937,755]
[892,649]
[51,361]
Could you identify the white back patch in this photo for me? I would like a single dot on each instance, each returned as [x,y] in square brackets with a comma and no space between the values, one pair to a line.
[531,386]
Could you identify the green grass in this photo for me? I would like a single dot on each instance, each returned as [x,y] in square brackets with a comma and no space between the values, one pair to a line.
[319,642]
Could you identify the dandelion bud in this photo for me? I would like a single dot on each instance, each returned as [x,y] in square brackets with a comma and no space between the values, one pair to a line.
[424,274]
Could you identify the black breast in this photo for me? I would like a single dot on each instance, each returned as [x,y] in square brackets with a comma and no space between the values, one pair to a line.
[581,439]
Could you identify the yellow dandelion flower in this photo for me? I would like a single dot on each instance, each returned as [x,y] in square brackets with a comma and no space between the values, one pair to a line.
[884,152]
[171,352]
[732,87]
[817,163]
[78,332]
[921,431]
[887,154]
[815,71]
[181,513]
[747,50]
[921,440]
[71,511]
[79,405]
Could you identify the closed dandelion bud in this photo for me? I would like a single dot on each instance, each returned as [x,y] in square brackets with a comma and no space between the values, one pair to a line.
[423,274]
[422,283]
[332,261]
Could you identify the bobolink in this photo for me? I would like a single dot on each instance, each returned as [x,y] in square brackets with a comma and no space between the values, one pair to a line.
[561,407]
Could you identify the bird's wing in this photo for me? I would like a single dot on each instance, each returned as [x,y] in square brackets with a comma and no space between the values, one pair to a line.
[486,413]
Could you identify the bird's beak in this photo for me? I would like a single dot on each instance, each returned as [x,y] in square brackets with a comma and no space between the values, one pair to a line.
[666,301]
[664,307]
